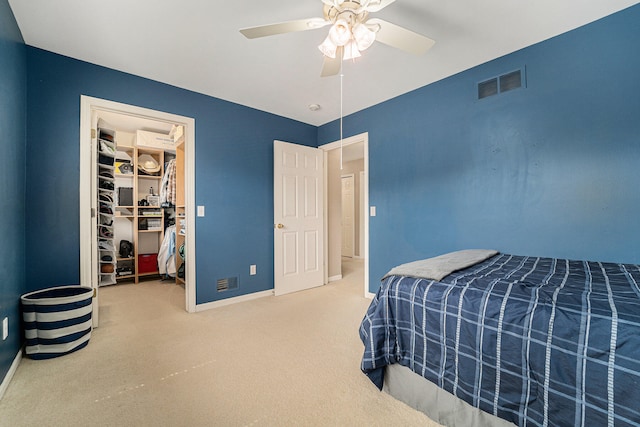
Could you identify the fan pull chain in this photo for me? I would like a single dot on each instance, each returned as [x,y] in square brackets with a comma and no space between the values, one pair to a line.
[341,77]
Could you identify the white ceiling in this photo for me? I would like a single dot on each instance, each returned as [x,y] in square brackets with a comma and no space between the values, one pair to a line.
[196,45]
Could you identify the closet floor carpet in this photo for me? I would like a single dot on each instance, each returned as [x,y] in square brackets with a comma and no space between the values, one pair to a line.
[291,360]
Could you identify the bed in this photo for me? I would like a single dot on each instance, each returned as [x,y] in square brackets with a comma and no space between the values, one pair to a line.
[509,339]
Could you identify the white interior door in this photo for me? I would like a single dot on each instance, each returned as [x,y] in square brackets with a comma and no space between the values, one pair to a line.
[298,203]
[348,212]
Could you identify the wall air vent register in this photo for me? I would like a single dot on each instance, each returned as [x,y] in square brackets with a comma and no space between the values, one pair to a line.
[504,83]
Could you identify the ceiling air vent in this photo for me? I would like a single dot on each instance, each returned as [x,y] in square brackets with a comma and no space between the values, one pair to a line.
[227,284]
[500,84]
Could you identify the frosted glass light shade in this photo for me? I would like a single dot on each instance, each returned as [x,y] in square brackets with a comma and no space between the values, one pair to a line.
[328,48]
[351,50]
[340,33]
[364,36]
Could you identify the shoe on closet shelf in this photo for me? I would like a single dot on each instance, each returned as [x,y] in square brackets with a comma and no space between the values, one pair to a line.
[106,147]
[106,174]
[105,232]
[105,209]
[106,245]
[106,185]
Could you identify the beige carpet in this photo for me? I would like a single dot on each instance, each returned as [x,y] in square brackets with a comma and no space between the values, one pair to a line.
[276,361]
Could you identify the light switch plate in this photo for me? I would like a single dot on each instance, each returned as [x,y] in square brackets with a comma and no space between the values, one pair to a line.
[5,328]
[200,210]
[372,210]
[252,270]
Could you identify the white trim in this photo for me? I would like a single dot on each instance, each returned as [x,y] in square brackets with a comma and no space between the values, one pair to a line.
[369,295]
[352,176]
[325,215]
[335,278]
[362,212]
[88,105]
[364,138]
[10,373]
[234,300]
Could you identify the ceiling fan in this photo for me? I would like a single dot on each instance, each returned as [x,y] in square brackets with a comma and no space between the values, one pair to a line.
[352,31]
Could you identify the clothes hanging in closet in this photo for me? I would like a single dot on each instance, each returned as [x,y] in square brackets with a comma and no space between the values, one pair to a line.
[167,253]
[168,185]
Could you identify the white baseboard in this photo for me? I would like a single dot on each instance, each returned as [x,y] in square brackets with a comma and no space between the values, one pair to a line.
[10,373]
[334,278]
[234,300]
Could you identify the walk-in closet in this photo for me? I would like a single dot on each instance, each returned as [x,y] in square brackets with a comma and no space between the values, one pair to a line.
[140,200]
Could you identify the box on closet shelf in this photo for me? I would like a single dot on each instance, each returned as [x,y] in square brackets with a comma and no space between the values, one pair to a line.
[154,140]
[147,263]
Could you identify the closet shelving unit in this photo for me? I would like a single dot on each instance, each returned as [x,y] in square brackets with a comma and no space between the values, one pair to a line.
[144,220]
[106,148]
[125,210]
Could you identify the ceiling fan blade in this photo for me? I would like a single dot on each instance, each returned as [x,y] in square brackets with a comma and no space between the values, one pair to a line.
[401,38]
[376,6]
[284,27]
[331,66]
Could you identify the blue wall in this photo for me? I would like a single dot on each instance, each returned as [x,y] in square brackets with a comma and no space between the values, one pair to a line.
[13,120]
[552,169]
[234,177]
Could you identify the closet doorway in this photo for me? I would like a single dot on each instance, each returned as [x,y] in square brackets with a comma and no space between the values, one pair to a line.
[349,157]
[127,120]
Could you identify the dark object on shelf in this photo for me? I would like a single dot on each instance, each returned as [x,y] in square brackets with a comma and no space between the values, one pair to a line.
[105,160]
[181,271]
[124,271]
[106,185]
[125,196]
[126,249]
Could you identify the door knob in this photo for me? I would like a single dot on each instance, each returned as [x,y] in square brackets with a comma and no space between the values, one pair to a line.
[279,225]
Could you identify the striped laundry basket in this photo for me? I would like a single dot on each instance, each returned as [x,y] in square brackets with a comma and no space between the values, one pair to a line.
[57,321]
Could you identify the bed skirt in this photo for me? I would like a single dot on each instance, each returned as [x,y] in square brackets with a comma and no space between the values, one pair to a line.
[438,404]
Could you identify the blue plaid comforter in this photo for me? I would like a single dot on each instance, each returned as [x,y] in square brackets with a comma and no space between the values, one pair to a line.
[536,341]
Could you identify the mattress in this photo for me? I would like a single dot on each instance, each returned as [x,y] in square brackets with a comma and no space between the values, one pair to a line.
[531,340]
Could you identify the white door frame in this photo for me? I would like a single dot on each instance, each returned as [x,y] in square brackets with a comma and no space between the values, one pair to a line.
[352,237]
[364,138]
[362,212]
[89,105]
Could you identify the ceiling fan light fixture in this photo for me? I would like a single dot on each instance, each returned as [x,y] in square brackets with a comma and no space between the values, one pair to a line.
[351,51]
[364,37]
[328,48]
[340,34]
